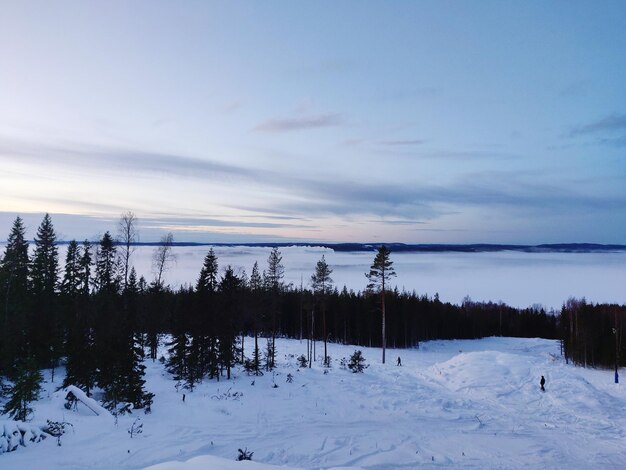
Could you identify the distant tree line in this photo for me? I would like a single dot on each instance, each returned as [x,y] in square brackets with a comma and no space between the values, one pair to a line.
[99,319]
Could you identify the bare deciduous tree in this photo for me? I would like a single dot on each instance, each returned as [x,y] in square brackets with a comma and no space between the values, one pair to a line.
[162,259]
[128,235]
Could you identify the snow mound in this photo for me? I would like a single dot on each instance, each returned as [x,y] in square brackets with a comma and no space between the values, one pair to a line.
[485,372]
[91,404]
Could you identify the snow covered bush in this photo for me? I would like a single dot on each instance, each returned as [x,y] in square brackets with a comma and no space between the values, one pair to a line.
[244,454]
[14,434]
[136,427]
[357,362]
[302,362]
[56,429]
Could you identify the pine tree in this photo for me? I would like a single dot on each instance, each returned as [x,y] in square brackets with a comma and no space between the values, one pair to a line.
[322,285]
[24,391]
[357,362]
[380,273]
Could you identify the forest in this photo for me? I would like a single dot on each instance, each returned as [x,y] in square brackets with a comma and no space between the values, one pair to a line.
[94,316]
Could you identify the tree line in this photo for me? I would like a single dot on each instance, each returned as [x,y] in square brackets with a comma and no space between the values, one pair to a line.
[100,320]
[591,334]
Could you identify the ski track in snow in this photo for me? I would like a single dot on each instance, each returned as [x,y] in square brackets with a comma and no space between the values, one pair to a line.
[463,403]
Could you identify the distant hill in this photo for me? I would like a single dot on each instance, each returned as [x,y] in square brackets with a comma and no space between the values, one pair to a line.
[424,247]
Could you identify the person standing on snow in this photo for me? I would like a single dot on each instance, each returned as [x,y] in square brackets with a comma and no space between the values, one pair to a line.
[542,382]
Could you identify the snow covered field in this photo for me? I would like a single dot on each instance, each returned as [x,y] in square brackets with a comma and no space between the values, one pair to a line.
[516,278]
[469,404]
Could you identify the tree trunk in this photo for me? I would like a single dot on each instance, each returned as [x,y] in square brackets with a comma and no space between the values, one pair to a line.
[384,333]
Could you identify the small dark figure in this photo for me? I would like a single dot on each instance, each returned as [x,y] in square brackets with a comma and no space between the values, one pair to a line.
[183,398]
[399,361]
[542,382]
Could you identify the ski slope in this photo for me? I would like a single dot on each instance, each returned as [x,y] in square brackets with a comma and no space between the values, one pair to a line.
[454,404]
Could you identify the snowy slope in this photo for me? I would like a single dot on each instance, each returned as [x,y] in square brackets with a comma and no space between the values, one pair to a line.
[470,404]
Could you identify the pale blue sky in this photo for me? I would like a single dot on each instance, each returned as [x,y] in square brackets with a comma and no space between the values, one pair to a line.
[501,122]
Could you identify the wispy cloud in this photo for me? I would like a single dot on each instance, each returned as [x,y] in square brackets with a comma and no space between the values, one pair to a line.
[416,148]
[402,143]
[617,142]
[106,158]
[300,200]
[612,122]
[206,224]
[297,123]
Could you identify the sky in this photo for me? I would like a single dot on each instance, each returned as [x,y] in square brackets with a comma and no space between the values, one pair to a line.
[405,121]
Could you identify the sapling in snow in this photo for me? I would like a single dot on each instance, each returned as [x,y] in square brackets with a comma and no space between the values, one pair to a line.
[136,427]
[244,454]
[302,362]
[57,429]
[357,362]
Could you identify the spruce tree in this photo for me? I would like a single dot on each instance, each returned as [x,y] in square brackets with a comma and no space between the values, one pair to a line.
[230,290]
[207,282]
[274,282]
[178,354]
[45,265]
[14,270]
[71,284]
[85,263]
[107,273]
[45,329]
[24,391]
[204,338]
[256,287]
[81,364]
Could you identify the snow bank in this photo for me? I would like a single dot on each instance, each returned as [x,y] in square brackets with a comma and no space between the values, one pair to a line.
[209,461]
